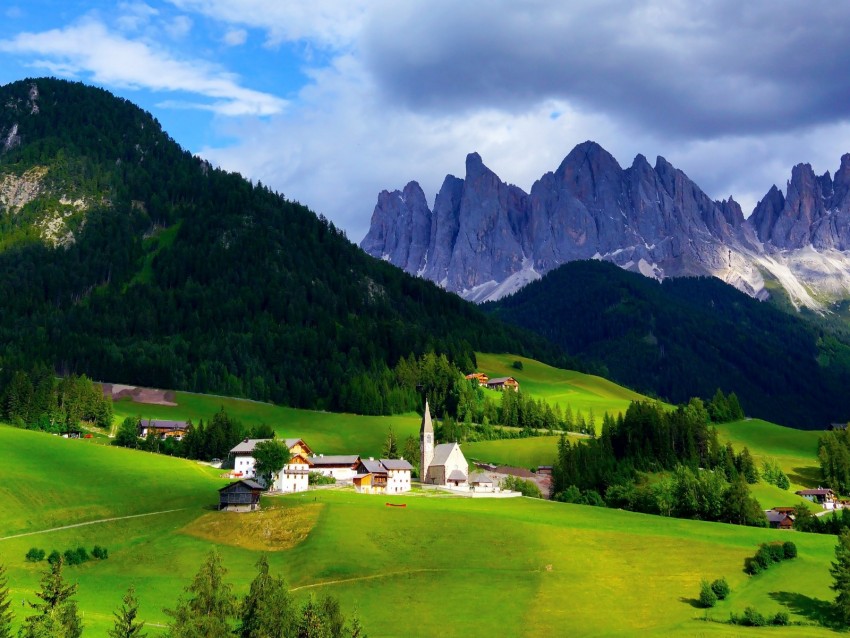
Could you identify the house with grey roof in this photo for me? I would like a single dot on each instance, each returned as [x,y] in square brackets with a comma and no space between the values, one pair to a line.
[383,476]
[342,467]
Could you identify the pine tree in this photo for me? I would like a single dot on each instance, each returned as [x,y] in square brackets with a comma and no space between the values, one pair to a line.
[390,450]
[5,604]
[840,571]
[126,625]
[311,623]
[355,629]
[267,610]
[57,613]
[209,609]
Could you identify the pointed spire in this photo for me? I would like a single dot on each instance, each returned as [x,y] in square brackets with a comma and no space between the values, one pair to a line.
[426,421]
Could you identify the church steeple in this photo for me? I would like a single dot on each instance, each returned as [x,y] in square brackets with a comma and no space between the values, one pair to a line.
[426,444]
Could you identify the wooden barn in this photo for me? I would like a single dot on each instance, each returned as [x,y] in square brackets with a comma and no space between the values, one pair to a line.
[241,496]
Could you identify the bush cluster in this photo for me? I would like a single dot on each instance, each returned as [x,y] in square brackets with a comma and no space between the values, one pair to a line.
[710,593]
[317,478]
[69,556]
[767,555]
[753,618]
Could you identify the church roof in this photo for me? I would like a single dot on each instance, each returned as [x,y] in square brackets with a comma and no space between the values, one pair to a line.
[426,421]
[442,452]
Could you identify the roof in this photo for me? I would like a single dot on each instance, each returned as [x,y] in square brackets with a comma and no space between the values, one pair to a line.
[499,380]
[164,424]
[396,464]
[426,421]
[247,446]
[290,443]
[442,452]
[515,471]
[478,477]
[339,459]
[373,466]
[247,482]
[821,491]
[456,475]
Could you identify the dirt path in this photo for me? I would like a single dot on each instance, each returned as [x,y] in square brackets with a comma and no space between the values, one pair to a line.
[372,577]
[102,520]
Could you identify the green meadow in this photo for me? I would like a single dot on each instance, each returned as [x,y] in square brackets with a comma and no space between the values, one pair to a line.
[324,432]
[453,566]
[528,453]
[580,391]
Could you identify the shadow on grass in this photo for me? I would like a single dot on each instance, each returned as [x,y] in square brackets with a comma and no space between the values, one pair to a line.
[812,609]
[806,476]
[693,602]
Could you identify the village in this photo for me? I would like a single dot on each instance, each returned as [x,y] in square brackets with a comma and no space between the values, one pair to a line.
[443,467]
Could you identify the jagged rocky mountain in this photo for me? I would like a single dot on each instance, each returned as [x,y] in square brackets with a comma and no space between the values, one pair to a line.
[485,239]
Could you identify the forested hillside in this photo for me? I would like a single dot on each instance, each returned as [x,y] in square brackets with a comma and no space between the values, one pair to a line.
[124,257]
[687,337]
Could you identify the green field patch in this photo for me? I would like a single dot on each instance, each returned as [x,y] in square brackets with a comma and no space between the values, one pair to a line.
[268,529]
[530,452]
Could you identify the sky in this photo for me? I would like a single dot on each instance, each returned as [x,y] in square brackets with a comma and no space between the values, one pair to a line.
[330,102]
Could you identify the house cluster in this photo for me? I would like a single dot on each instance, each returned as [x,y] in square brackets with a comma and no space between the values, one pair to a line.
[442,465]
[497,383]
[823,496]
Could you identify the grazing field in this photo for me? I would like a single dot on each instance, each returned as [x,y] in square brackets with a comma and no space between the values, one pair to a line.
[529,453]
[453,566]
[580,391]
[325,432]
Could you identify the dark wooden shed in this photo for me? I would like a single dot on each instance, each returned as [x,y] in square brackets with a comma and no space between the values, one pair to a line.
[241,496]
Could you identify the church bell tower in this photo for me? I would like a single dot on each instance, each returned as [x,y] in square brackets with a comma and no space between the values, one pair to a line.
[426,444]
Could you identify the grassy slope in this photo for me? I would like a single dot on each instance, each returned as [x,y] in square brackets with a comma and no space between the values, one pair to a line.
[454,566]
[325,432]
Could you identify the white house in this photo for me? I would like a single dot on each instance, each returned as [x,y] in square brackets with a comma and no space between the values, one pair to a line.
[398,475]
[342,467]
[243,458]
[386,476]
[294,476]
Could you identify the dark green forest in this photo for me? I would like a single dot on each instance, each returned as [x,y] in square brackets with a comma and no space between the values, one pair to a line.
[184,276]
[686,337]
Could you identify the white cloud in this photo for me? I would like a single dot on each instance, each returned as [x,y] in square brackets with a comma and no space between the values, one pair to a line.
[179,27]
[235,37]
[134,16]
[327,23]
[89,48]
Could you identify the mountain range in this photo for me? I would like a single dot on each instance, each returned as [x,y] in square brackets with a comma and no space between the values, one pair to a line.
[485,239]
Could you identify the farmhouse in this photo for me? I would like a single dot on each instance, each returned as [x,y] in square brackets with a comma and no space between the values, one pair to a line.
[480,377]
[162,428]
[241,496]
[780,517]
[442,464]
[340,467]
[294,476]
[503,383]
[823,496]
[384,476]
[243,455]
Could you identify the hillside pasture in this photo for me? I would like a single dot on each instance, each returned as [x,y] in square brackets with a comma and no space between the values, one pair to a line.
[324,432]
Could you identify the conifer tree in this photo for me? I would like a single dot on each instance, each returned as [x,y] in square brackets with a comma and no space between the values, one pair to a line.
[840,571]
[390,450]
[5,604]
[126,625]
[208,610]
[267,610]
[355,629]
[56,615]
[312,624]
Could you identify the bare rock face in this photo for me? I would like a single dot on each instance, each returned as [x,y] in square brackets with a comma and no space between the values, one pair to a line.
[485,238]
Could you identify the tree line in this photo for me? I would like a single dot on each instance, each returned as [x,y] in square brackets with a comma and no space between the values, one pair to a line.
[208,608]
[705,480]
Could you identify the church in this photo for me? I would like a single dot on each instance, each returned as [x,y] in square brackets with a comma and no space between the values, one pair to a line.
[442,464]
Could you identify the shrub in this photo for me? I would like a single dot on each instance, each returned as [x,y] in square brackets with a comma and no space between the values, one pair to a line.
[54,557]
[720,588]
[781,618]
[317,478]
[517,365]
[71,557]
[99,552]
[35,555]
[776,552]
[752,566]
[707,597]
[789,549]
[752,618]
[82,554]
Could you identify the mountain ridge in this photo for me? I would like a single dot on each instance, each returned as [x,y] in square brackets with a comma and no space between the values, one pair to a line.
[487,239]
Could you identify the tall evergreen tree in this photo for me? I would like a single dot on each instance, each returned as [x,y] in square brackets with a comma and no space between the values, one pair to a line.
[312,623]
[390,450]
[126,625]
[5,604]
[56,615]
[206,613]
[840,571]
[267,610]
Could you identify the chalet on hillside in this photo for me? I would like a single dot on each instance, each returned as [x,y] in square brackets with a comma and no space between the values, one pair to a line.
[241,496]
[780,517]
[503,383]
[480,377]
[342,467]
[162,428]
[823,496]
[384,476]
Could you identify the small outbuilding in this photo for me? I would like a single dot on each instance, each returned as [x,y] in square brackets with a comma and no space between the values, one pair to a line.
[480,482]
[241,496]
